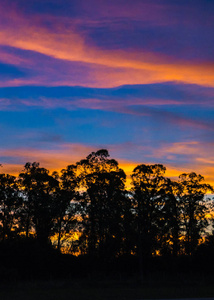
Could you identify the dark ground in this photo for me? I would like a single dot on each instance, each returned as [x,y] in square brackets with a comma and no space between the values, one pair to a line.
[27,274]
[97,290]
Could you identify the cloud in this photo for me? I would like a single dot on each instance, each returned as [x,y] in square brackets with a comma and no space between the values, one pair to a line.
[162,94]
[159,104]
[63,41]
[162,12]
[53,159]
[189,153]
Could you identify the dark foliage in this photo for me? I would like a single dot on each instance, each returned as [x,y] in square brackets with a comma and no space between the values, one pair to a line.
[157,224]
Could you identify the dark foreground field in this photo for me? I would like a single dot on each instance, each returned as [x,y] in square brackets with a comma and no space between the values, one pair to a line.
[103,290]
[34,275]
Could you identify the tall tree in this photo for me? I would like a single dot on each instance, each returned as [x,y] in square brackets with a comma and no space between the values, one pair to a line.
[171,213]
[39,210]
[104,182]
[66,197]
[191,194]
[149,190]
[10,203]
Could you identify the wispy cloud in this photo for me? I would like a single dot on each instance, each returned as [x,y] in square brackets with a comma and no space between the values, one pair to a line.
[109,67]
[187,153]
[162,94]
[53,159]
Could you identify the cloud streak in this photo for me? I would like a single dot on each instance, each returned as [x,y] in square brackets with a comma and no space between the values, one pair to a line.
[109,67]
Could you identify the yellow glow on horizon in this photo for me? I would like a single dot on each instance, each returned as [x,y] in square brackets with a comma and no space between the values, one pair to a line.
[15,169]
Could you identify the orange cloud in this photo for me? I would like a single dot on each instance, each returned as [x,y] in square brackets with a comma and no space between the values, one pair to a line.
[193,156]
[52,159]
[108,67]
[198,151]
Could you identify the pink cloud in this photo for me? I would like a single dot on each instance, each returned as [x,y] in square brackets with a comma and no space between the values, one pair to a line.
[195,152]
[108,68]
[51,158]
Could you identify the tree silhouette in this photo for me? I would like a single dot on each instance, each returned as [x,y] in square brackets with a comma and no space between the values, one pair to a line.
[158,216]
[149,191]
[10,202]
[172,212]
[65,209]
[39,189]
[191,194]
[104,182]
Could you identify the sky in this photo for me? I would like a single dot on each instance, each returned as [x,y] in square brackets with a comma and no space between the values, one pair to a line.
[134,77]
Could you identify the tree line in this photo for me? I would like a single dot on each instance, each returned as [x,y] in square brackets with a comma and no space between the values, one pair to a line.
[157,216]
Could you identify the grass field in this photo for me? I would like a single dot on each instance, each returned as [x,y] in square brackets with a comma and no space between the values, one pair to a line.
[104,290]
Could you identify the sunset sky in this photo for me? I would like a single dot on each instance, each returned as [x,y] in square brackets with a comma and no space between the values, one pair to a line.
[134,77]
